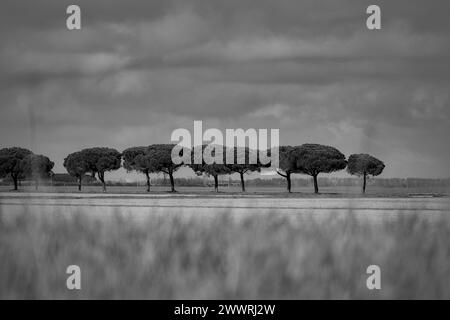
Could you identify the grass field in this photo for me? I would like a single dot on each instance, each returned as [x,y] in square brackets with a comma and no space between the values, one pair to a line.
[259,256]
[337,191]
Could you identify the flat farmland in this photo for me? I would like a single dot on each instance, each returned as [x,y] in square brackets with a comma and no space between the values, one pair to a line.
[226,246]
[280,191]
[210,204]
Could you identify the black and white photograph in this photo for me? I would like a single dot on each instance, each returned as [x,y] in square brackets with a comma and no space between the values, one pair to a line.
[224,150]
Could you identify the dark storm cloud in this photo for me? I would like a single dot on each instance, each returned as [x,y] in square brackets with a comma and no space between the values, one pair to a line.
[139,69]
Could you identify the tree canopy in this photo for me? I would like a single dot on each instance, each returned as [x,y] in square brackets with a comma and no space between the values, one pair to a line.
[213,169]
[138,159]
[360,164]
[363,165]
[101,160]
[161,154]
[77,166]
[37,167]
[312,159]
[96,160]
[129,157]
[11,163]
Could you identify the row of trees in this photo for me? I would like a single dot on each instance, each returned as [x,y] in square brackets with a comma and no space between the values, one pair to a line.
[313,159]
[21,163]
[94,161]
[309,159]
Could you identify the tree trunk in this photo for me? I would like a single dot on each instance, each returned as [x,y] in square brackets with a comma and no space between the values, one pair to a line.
[216,183]
[364,183]
[316,186]
[148,181]
[101,176]
[36,186]
[288,178]
[14,177]
[79,183]
[242,181]
[172,182]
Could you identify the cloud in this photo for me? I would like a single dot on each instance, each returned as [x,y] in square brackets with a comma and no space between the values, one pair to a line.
[139,70]
[394,43]
[276,111]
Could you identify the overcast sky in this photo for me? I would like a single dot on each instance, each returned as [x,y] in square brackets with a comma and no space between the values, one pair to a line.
[140,69]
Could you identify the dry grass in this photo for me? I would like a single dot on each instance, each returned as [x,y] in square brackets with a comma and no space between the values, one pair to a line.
[256,257]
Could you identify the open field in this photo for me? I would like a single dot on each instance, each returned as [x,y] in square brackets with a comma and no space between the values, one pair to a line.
[227,246]
[308,192]
[239,205]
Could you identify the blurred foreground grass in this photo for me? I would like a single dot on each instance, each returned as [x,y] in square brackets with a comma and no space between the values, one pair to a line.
[255,257]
